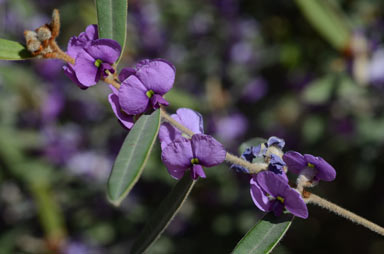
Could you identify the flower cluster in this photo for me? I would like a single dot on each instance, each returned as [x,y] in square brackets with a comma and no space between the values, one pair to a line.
[270,190]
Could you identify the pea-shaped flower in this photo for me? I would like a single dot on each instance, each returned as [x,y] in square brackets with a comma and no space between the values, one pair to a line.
[184,154]
[270,192]
[126,120]
[297,162]
[145,86]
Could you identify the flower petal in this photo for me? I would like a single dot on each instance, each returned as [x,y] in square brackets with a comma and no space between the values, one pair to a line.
[125,73]
[157,75]
[190,119]
[85,69]
[157,100]
[325,171]
[167,134]
[132,97]
[197,170]
[176,173]
[68,70]
[177,155]
[295,204]
[259,197]
[125,120]
[272,183]
[208,150]
[106,50]
[280,143]
[295,161]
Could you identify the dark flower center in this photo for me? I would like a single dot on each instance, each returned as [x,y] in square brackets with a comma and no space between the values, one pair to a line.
[98,62]
[195,161]
[150,93]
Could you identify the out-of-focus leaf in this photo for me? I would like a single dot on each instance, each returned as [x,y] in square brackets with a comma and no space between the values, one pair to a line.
[328,19]
[12,50]
[164,215]
[112,20]
[251,142]
[133,156]
[180,99]
[265,235]
[319,91]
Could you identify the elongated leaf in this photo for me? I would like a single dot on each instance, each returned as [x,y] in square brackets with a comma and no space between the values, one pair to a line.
[12,50]
[133,156]
[328,19]
[112,20]
[164,215]
[265,235]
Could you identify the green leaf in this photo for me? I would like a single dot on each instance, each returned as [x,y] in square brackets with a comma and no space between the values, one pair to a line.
[328,19]
[320,90]
[164,215]
[112,20]
[133,156]
[12,50]
[265,235]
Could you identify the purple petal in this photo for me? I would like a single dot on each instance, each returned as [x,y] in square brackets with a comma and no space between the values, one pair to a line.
[157,75]
[72,75]
[259,197]
[114,89]
[132,96]
[157,100]
[85,69]
[176,173]
[208,150]
[91,32]
[177,155]
[280,143]
[295,204]
[272,183]
[106,50]
[295,161]
[167,134]
[325,171]
[197,170]
[190,119]
[277,207]
[126,120]
[76,44]
[125,73]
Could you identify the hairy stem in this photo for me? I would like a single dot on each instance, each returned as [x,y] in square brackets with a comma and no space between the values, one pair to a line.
[314,199]
[252,167]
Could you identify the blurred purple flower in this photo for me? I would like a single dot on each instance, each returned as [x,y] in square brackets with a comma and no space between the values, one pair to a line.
[232,127]
[183,154]
[297,162]
[255,90]
[52,105]
[144,89]
[126,120]
[49,68]
[187,117]
[376,67]
[90,164]
[271,193]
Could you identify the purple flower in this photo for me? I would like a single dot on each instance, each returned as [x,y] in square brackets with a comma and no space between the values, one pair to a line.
[93,57]
[126,120]
[297,162]
[271,193]
[183,154]
[144,87]
[187,117]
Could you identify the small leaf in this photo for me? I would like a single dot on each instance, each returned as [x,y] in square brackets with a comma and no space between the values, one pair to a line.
[265,235]
[12,50]
[167,210]
[112,20]
[133,156]
[328,19]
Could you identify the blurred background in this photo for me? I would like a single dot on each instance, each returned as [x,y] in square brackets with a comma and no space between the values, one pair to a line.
[252,68]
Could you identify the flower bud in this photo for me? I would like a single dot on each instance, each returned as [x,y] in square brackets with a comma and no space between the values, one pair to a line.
[43,33]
